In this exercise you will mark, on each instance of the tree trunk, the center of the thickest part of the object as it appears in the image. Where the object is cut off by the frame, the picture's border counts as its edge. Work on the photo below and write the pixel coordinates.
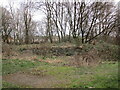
(26, 37)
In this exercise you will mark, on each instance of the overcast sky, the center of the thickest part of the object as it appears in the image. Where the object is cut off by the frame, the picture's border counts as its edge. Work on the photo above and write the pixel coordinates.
(37, 15)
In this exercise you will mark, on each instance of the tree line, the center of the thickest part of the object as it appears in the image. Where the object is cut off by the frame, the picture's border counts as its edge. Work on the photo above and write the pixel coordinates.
(79, 21)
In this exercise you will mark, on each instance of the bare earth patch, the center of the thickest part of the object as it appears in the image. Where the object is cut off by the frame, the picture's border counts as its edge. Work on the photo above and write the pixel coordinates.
(35, 81)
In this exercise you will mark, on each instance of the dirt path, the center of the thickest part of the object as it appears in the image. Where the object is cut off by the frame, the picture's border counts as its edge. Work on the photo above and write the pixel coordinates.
(35, 81)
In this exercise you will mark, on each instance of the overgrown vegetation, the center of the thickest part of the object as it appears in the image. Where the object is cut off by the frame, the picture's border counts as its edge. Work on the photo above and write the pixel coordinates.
(103, 50)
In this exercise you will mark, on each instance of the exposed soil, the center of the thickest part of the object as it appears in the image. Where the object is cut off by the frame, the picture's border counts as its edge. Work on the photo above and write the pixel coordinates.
(35, 81)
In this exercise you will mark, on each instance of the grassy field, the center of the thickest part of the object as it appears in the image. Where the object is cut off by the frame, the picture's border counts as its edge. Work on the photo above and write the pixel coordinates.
(100, 76)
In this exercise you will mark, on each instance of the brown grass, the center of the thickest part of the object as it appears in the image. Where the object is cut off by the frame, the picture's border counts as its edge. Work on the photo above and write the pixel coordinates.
(85, 59)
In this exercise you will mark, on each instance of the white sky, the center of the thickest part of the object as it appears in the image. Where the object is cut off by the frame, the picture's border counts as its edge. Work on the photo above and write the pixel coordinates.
(37, 15)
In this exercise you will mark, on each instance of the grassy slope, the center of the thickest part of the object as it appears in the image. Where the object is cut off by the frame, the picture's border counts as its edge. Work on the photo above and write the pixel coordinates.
(102, 76)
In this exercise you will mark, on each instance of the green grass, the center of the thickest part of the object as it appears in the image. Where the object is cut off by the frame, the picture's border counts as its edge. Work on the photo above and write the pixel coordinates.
(56, 70)
(9, 85)
(12, 66)
(101, 76)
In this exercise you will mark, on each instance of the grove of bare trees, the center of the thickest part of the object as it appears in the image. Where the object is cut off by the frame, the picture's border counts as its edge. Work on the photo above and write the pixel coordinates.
(66, 21)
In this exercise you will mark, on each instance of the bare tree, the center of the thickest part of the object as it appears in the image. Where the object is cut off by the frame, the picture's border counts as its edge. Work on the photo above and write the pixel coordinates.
(6, 30)
(99, 10)
(27, 18)
(85, 20)
(118, 25)
(49, 31)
